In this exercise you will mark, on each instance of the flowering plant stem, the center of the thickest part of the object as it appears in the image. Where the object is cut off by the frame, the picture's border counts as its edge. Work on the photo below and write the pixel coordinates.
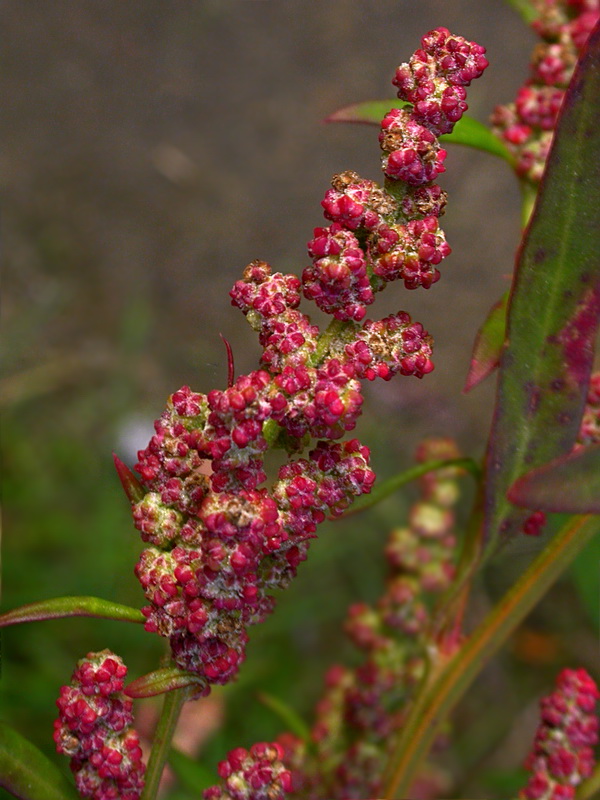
(447, 680)
(172, 705)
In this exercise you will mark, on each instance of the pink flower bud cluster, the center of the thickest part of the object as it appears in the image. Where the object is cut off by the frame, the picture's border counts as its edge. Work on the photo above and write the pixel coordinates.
(359, 711)
(562, 754)
(527, 125)
(257, 774)
(219, 543)
(94, 728)
(379, 235)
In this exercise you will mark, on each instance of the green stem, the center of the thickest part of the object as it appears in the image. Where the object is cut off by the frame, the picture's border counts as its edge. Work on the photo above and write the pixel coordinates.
(450, 679)
(163, 736)
(389, 486)
(333, 331)
(529, 193)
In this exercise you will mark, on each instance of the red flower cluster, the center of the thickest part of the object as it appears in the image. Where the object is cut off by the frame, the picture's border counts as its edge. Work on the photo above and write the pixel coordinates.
(381, 235)
(94, 728)
(258, 774)
(562, 754)
(527, 125)
(219, 543)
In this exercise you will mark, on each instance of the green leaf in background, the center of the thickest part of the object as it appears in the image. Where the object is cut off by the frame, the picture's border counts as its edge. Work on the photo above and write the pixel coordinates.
(163, 680)
(488, 344)
(193, 774)
(467, 131)
(61, 607)
(292, 721)
(553, 308)
(25, 771)
(525, 8)
(569, 484)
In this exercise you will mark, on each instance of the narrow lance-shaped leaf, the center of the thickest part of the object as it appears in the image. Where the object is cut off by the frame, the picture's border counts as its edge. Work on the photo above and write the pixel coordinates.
(554, 306)
(467, 131)
(488, 344)
(569, 484)
(27, 773)
(61, 607)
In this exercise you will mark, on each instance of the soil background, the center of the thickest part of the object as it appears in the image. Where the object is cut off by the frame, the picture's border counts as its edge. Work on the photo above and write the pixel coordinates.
(153, 149)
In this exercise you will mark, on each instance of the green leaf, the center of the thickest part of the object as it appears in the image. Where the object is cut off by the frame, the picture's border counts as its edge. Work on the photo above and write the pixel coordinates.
(163, 680)
(292, 721)
(61, 607)
(195, 775)
(27, 773)
(488, 344)
(467, 131)
(569, 484)
(525, 8)
(553, 309)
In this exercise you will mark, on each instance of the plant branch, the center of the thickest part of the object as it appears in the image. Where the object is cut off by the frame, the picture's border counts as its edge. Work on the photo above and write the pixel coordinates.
(450, 678)
(163, 737)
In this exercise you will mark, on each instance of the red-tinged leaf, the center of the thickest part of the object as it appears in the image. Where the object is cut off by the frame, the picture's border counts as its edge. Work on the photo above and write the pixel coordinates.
(164, 680)
(230, 362)
(569, 484)
(61, 607)
(27, 773)
(131, 486)
(467, 131)
(488, 344)
(554, 307)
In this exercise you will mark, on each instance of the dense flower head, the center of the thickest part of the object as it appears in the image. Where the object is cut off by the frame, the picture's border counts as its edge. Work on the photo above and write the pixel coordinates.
(434, 78)
(412, 153)
(392, 345)
(562, 754)
(411, 253)
(94, 728)
(526, 126)
(255, 774)
(263, 294)
(357, 203)
(337, 281)
(289, 340)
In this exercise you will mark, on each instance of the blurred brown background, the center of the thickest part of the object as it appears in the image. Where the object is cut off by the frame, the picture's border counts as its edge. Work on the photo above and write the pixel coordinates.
(153, 149)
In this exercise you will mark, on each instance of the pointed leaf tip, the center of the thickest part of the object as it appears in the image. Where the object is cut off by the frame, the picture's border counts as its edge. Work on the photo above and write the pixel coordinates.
(488, 345)
(131, 485)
